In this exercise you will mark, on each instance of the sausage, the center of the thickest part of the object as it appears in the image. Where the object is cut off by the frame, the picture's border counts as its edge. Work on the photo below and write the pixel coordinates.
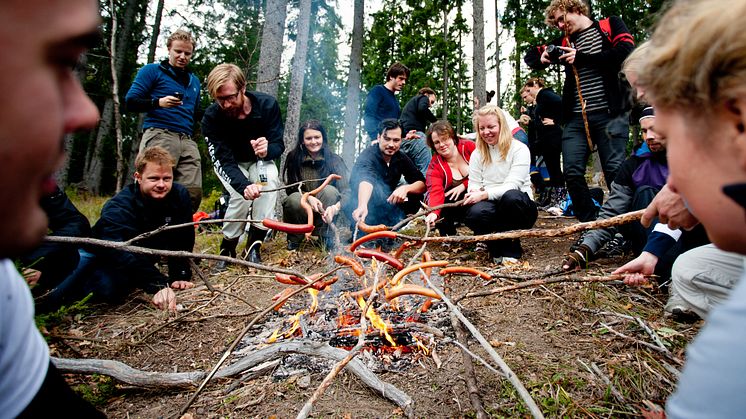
(325, 283)
(404, 246)
(426, 305)
(282, 294)
(381, 257)
(371, 229)
(411, 289)
(465, 270)
(356, 267)
(309, 211)
(287, 227)
(404, 272)
(426, 257)
(365, 292)
(373, 236)
(285, 279)
(329, 179)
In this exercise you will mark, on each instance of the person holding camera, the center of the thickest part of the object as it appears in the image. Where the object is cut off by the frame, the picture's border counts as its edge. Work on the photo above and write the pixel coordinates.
(168, 93)
(594, 99)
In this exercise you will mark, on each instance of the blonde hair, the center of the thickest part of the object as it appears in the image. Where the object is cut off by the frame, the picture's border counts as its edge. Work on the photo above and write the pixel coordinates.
(697, 56)
(222, 74)
(504, 139)
(566, 6)
(636, 58)
(156, 155)
(181, 35)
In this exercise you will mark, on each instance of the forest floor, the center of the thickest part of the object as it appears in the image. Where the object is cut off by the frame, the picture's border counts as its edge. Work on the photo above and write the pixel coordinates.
(546, 334)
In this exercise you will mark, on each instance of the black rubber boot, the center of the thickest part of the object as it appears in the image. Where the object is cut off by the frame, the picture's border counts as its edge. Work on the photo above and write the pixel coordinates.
(227, 248)
(255, 235)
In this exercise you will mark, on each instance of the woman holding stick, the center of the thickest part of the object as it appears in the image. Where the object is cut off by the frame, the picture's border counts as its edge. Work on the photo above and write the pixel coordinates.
(447, 176)
(312, 159)
(499, 184)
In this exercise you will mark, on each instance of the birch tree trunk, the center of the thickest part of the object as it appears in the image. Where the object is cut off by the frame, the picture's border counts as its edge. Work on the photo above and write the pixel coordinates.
(444, 107)
(497, 55)
(297, 75)
(270, 54)
(115, 99)
(478, 71)
(352, 107)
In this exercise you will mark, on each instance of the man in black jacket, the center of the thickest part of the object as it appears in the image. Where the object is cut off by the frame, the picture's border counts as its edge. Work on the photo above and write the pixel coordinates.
(414, 120)
(593, 55)
(244, 135)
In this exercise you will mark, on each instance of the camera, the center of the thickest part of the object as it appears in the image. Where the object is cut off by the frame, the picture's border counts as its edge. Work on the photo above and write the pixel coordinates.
(554, 52)
(179, 95)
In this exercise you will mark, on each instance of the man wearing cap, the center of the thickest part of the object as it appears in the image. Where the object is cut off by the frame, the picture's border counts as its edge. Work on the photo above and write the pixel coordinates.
(638, 181)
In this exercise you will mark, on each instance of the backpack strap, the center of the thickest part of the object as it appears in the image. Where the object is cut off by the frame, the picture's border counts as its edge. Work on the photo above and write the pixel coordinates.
(605, 27)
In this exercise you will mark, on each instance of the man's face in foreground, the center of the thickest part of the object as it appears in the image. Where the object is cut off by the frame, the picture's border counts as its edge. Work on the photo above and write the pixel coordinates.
(389, 142)
(42, 101)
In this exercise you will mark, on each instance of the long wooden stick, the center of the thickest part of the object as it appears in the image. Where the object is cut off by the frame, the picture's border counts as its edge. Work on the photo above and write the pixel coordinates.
(538, 282)
(509, 374)
(534, 232)
(469, 376)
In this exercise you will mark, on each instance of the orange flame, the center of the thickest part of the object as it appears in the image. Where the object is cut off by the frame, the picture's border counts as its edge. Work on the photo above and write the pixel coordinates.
(314, 300)
(376, 321)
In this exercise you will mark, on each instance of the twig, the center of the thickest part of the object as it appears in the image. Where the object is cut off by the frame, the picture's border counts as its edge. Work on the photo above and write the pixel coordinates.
(127, 374)
(425, 211)
(537, 282)
(643, 343)
(477, 357)
(469, 375)
(245, 330)
(201, 275)
(595, 371)
(168, 227)
(510, 375)
(652, 334)
(534, 232)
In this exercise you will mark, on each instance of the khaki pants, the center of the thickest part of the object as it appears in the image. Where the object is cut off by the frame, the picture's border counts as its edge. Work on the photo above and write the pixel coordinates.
(260, 208)
(293, 213)
(184, 151)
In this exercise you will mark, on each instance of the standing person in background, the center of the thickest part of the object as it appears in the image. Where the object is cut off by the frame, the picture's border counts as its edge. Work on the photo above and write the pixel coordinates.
(41, 42)
(499, 184)
(447, 176)
(593, 53)
(311, 158)
(414, 119)
(243, 131)
(381, 102)
(169, 95)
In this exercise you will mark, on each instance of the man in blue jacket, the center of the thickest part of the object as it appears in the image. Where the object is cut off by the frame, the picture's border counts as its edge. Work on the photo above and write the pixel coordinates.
(169, 95)
(381, 102)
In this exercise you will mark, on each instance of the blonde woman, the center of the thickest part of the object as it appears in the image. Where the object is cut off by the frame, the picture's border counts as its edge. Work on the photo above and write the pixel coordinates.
(499, 184)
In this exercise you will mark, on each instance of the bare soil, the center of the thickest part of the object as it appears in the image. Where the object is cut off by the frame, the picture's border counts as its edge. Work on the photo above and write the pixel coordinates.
(543, 333)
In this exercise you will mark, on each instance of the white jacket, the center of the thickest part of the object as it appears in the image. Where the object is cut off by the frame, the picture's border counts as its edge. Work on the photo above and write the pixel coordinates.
(500, 176)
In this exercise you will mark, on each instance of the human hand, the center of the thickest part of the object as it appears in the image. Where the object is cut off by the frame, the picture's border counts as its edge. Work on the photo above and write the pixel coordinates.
(475, 196)
(455, 192)
(169, 102)
(182, 285)
(524, 119)
(643, 264)
(316, 204)
(165, 299)
(430, 219)
(260, 147)
(359, 214)
(545, 57)
(252, 191)
(329, 213)
(670, 209)
(411, 135)
(398, 196)
(31, 276)
(547, 121)
(569, 55)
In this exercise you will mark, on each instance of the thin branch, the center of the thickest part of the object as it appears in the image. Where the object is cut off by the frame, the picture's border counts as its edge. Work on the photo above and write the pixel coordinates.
(469, 375)
(652, 334)
(424, 211)
(538, 282)
(645, 344)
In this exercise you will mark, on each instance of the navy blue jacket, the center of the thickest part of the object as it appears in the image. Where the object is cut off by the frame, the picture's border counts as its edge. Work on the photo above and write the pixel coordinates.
(380, 104)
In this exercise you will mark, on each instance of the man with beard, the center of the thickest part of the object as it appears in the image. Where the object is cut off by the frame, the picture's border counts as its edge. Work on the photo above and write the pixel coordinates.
(244, 132)
(375, 197)
(41, 42)
(169, 94)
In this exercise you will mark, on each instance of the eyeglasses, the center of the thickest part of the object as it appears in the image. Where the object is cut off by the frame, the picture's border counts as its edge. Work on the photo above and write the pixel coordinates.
(227, 98)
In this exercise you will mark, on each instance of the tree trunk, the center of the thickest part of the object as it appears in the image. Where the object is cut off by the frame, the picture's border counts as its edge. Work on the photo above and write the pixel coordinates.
(270, 54)
(498, 96)
(297, 75)
(444, 110)
(480, 77)
(115, 99)
(352, 107)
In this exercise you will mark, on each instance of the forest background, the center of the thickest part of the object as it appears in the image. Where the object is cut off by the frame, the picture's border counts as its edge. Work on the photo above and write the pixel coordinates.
(329, 71)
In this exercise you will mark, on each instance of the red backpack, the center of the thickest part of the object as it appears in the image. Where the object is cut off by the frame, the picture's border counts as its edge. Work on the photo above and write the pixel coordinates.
(605, 27)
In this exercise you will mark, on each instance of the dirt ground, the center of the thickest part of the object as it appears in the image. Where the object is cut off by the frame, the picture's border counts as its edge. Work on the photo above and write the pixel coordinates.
(545, 334)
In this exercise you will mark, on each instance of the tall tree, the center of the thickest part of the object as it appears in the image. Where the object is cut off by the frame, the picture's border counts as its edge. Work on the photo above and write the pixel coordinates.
(478, 68)
(297, 75)
(270, 55)
(352, 106)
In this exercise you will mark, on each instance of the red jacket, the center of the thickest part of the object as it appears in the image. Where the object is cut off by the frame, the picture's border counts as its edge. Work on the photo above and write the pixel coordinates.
(439, 177)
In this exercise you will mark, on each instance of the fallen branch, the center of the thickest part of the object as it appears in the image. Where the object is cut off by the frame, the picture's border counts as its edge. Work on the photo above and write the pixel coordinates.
(538, 282)
(645, 344)
(534, 232)
(127, 374)
(596, 372)
(424, 211)
(469, 375)
(652, 334)
(509, 374)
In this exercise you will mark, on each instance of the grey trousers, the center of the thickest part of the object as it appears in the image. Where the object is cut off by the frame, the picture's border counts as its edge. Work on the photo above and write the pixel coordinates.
(702, 278)
(260, 208)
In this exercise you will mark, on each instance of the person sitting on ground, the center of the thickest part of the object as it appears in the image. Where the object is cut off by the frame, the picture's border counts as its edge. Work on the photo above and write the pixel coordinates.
(639, 179)
(447, 176)
(311, 158)
(499, 184)
(414, 119)
(375, 194)
(152, 201)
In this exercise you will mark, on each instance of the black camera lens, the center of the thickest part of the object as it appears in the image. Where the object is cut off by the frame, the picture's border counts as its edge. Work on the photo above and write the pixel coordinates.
(554, 52)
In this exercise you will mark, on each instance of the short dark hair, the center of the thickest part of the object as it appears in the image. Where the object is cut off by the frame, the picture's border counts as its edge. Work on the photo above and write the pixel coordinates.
(397, 69)
(426, 91)
(442, 127)
(534, 82)
(389, 124)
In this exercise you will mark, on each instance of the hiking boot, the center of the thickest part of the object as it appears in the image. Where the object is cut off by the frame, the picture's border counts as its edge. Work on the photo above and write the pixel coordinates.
(575, 246)
(254, 244)
(293, 245)
(684, 315)
(613, 248)
(227, 248)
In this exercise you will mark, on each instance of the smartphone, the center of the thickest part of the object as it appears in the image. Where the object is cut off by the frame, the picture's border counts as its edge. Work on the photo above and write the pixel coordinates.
(179, 95)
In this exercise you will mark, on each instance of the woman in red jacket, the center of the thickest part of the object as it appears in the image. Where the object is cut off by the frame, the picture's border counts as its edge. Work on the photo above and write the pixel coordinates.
(447, 176)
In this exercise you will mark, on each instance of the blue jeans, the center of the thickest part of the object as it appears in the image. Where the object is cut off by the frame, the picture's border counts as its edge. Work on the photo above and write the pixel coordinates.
(610, 135)
(418, 152)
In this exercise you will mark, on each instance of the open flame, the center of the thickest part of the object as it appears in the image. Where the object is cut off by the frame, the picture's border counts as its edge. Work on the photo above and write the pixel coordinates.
(376, 321)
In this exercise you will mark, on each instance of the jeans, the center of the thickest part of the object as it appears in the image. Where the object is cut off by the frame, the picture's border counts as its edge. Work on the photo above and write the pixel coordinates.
(418, 152)
(610, 135)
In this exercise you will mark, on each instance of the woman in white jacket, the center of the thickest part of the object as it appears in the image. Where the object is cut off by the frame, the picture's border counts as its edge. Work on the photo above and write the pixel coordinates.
(499, 184)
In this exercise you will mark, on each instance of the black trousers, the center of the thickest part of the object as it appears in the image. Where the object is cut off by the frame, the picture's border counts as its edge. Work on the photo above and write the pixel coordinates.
(513, 211)
(56, 399)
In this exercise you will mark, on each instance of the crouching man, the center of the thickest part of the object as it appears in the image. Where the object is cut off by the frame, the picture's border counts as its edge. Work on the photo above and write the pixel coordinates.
(151, 202)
